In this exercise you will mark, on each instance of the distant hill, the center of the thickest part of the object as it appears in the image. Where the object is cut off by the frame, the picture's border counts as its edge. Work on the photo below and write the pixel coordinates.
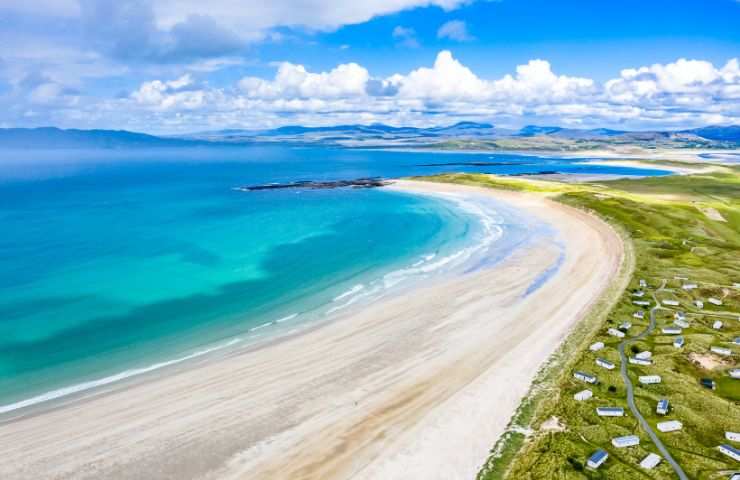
(716, 132)
(477, 135)
(56, 138)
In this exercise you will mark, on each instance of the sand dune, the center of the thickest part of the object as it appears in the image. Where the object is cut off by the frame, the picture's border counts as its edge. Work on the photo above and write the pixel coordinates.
(416, 386)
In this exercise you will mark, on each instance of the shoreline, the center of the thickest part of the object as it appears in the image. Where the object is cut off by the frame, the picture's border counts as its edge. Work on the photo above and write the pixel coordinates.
(364, 396)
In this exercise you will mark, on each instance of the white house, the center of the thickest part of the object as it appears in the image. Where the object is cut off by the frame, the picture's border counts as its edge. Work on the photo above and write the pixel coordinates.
(714, 301)
(649, 379)
(728, 450)
(651, 461)
(689, 286)
(669, 426)
(679, 316)
(643, 283)
(699, 304)
(626, 441)
(671, 330)
(595, 347)
(583, 395)
(735, 373)
(585, 377)
(615, 333)
(717, 325)
(639, 314)
(646, 355)
(610, 411)
(662, 408)
(721, 350)
(625, 325)
(639, 361)
(678, 342)
(602, 362)
(681, 278)
(643, 303)
(597, 459)
(670, 303)
(681, 323)
(638, 294)
(732, 436)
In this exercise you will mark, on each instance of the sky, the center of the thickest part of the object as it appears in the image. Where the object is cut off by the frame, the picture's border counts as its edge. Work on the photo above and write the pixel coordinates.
(175, 66)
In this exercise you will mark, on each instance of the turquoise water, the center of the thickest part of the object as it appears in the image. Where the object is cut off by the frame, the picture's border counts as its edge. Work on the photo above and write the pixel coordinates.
(111, 261)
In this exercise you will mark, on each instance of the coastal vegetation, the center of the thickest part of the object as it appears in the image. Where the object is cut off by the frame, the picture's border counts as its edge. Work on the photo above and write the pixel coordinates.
(680, 230)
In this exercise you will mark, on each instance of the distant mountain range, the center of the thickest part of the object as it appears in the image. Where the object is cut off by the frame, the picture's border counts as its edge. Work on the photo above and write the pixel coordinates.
(379, 135)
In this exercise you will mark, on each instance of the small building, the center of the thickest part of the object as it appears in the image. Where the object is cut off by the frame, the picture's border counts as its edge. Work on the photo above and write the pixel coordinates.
(721, 350)
(699, 304)
(730, 451)
(736, 340)
(663, 406)
(679, 316)
(732, 436)
(646, 355)
(610, 411)
(714, 301)
(643, 283)
(735, 373)
(583, 395)
(639, 361)
(669, 426)
(595, 347)
(642, 303)
(681, 323)
(615, 333)
(638, 294)
(678, 342)
(671, 330)
(717, 325)
(649, 379)
(604, 363)
(677, 277)
(597, 459)
(670, 303)
(735, 476)
(651, 461)
(625, 326)
(585, 377)
(708, 383)
(639, 314)
(626, 441)
(689, 286)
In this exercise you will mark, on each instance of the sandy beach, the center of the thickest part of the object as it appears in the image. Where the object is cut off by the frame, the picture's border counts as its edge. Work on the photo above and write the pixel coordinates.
(414, 386)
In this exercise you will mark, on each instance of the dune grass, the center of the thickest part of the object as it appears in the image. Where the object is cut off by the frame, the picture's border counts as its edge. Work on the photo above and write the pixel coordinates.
(678, 226)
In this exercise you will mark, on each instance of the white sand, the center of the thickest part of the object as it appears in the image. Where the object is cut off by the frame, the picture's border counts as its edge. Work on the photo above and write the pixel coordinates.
(418, 386)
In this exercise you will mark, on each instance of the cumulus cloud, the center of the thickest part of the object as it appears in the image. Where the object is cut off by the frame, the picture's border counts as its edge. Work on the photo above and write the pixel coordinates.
(454, 30)
(680, 94)
(294, 81)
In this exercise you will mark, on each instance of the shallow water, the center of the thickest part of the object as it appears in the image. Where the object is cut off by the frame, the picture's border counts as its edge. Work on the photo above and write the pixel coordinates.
(114, 262)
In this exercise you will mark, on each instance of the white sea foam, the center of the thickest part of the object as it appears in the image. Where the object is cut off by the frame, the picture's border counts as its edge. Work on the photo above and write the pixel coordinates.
(351, 291)
(286, 319)
(260, 327)
(81, 387)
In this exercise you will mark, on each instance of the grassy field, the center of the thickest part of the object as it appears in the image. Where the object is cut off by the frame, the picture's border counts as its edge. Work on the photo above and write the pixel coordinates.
(678, 226)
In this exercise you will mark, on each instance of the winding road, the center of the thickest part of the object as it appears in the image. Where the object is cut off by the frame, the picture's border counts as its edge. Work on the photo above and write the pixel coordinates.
(631, 393)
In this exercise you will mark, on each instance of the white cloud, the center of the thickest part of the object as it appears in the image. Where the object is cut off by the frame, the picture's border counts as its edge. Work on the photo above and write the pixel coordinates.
(294, 81)
(406, 36)
(454, 30)
(681, 94)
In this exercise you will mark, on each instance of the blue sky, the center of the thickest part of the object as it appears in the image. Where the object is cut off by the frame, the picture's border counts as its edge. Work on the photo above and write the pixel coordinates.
(169, 66)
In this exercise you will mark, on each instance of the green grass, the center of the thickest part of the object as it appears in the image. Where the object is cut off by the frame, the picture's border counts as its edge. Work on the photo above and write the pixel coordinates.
(663, 219)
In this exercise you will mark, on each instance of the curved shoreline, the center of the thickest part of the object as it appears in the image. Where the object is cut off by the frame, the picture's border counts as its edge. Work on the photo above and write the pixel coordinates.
(370, 396)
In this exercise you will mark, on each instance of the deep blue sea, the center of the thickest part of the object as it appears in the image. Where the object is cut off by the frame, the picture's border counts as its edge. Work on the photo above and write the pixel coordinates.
(115, 262)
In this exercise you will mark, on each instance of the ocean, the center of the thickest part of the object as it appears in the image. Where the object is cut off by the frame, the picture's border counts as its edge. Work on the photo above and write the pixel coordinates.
(114, 263)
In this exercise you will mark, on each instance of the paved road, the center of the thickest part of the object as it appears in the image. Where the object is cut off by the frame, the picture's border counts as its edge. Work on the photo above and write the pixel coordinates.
(631, 393)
